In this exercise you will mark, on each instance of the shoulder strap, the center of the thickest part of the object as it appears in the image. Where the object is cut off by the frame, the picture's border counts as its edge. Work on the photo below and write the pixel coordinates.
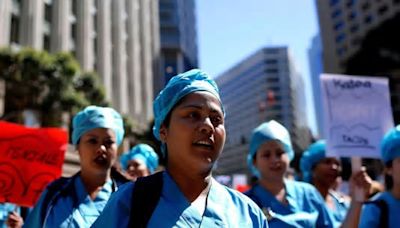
(383, 207)
(145, 197)
(52, 189)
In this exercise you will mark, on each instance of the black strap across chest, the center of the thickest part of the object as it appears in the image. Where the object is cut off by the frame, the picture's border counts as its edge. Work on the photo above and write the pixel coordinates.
(145, 197)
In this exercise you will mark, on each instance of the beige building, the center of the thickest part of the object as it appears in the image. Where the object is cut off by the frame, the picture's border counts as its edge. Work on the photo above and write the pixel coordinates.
(119, 39)
(343, 25)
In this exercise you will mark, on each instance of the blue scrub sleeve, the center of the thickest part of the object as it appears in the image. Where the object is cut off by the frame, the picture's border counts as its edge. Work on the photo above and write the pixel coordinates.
(324, 220)
(370, 215)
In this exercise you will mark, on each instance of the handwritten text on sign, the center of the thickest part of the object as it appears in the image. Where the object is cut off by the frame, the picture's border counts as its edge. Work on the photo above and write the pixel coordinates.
(357, 114)
(30, 158)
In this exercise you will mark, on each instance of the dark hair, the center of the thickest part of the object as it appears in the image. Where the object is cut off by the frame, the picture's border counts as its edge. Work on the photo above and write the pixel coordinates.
(388, 178)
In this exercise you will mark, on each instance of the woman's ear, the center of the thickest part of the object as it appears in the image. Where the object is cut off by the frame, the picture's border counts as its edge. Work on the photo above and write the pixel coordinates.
(163, 133)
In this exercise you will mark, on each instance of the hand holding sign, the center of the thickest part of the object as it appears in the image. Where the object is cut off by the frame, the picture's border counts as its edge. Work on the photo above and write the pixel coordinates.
(29, 159)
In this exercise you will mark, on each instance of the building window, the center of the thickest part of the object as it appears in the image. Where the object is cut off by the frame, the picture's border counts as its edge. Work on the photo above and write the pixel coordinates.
(46, 42)
(336, 13)
(75, 7)
(368, 19)
(271, 61)
(338, 26)
(352, 15)
(341, 51)
(334, 2)
(14, 29)
(47, 12)
(350, 3)
(272, 80)
(365, 6)
(382, 10)
(339, 38)
(272, 70)
(354, 28)
(74, 31)
(271, 51)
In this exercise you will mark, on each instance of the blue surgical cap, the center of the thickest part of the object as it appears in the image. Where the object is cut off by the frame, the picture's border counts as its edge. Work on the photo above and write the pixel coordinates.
(314, 154)
(268, 131)
(178, 87)
(390, 146)
(142, 152)
(97, 117)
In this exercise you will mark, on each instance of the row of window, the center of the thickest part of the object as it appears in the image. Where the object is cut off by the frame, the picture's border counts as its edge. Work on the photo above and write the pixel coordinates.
(337, 12)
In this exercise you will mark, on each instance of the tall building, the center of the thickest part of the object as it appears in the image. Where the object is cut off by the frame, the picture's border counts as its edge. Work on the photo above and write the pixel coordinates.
(316, 68)
(119, 39)
(258, 89)
(360, 38)
(178, 39)
(343, 25)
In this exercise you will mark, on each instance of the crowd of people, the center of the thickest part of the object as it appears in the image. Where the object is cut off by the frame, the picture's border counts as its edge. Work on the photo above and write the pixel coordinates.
(189, 123)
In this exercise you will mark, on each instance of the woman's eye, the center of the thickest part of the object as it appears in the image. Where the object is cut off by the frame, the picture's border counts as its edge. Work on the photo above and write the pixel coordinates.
(109, 142)
(92, 141)
(217, 120)
(265, 155)
(193, 115)
(280, 153)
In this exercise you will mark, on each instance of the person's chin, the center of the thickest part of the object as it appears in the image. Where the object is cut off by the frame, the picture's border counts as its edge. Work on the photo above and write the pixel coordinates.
(205, 167)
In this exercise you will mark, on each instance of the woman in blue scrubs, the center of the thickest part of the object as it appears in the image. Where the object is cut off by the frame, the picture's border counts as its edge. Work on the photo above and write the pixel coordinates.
(384, 208)
(189, 121)
(140, 161)
(77, 201)
(323, 172)
(287, 203)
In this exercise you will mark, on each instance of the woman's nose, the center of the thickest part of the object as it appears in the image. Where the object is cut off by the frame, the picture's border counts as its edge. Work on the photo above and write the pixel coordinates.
(276, 158)
(206, 126)
(102, 148)
(334, 165)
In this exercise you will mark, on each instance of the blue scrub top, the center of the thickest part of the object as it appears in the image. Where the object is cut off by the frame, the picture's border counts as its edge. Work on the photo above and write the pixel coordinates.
(68, 211)
(5, 209)
(305, 208)
(341, 207)
(370, 214)
(224, 208)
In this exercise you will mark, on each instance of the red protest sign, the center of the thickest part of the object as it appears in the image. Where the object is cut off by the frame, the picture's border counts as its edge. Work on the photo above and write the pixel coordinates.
(30, 158)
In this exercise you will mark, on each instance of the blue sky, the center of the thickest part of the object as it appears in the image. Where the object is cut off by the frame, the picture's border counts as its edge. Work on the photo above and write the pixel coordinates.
(231, 30)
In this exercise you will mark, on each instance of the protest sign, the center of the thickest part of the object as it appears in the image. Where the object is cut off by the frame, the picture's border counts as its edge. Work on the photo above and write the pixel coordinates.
(357, 113)
(30, 158)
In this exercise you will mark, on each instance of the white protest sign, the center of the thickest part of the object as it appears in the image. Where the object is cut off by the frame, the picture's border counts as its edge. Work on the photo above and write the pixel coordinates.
(357, 113)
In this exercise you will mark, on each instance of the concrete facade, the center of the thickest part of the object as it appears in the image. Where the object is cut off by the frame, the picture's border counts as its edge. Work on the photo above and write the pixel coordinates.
(344, 23)
(119, 39)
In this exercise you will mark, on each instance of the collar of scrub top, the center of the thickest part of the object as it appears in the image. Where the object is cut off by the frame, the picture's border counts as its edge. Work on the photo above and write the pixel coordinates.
(68, 189)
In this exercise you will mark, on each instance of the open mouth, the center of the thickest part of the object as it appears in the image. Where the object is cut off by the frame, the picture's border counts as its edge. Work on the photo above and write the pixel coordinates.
(101, 159)
(276, 168)
(204, 144)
